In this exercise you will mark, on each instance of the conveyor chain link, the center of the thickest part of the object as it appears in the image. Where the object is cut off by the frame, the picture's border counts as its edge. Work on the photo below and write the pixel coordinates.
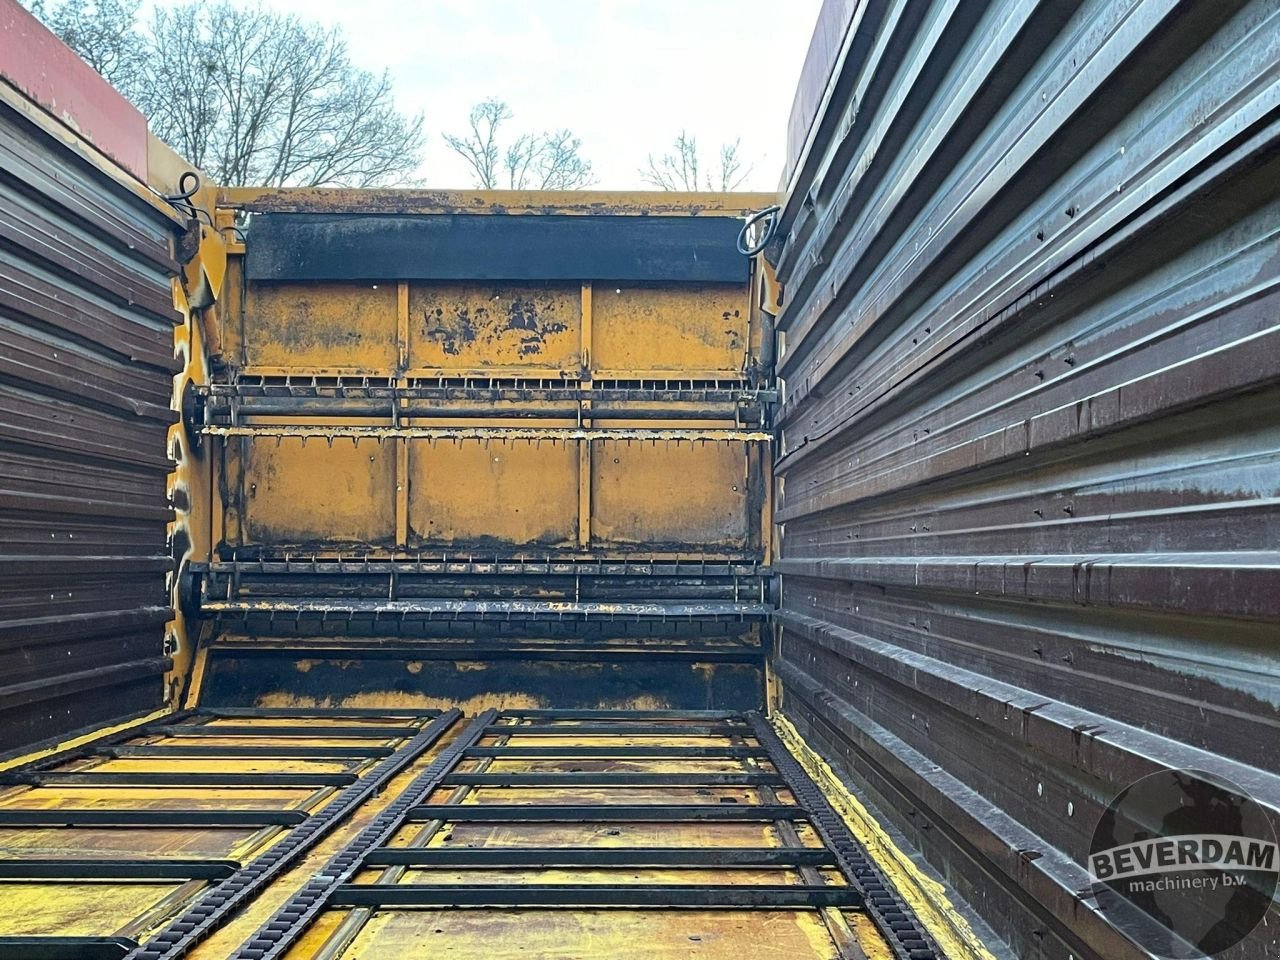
(291, 920)
(220, 903)
(896, 921)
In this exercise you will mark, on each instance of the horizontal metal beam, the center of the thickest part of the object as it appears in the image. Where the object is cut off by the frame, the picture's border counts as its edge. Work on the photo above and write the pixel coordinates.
(490, 203)
(425, 608)
(650, 753)
(241, 750)
(167, 779)
(597, 779)
(315, 713)
(277, 561)
(438, 387)
(613, 813)
(65, 948)
(149, 817)
(252, 730)
(505, 434)
(98, 869)
(221, 410)
(563, 714)
(594, 895)
(435, 648)
(600, 857)
(623, 729)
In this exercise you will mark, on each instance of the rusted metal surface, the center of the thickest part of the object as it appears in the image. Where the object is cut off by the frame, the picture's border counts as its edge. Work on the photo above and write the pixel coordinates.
(560, 833)
(1027, 484)
(86, 365)
(161, 834)
(549, 439)
(514, 202)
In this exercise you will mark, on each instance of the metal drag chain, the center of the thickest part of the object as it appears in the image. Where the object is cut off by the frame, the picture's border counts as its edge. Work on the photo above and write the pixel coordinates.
(217, 905)
(896, 921)
(295, 916)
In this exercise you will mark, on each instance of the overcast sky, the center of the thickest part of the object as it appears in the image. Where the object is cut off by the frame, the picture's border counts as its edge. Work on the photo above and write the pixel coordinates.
(625, 75)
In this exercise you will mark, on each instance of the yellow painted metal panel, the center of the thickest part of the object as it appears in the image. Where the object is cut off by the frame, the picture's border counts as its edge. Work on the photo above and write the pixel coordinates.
(220, 765)
(297, 492)
(674, 877)
(330, 326)
(282, 740)
(156, 798)
(69, 909)
(700, 329)
(591, 934)
(470, 327)
(554, 765)
(670, 492)
(132, 908)
(118, 842)
(618, 834)
(472, 492)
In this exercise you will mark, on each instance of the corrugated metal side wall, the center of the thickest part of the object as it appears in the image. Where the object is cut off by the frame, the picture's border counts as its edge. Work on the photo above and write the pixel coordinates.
(1028, 482)
(86, 366)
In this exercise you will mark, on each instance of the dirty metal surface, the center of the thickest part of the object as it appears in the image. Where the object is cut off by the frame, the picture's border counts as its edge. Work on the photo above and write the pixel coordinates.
(337, 247)
(609, 330)
(1027, 495)
(591, 443)
(360, 665)
(593, 834)
(86, 367)
(643, 203)
(161, 835)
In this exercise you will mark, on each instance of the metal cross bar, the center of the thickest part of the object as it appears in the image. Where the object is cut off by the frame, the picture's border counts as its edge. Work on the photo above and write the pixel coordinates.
(315, 713)
(652, 753)
(282, 750)
(593, 778)
(62, 948)
(622, 729)
(51, 869)
(612, 813)
(744, 896)
(253, 730)
(501, 858)
(113, 778)
(149, 817)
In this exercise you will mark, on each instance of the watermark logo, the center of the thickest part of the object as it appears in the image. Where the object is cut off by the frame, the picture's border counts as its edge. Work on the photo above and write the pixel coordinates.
(1185, 863)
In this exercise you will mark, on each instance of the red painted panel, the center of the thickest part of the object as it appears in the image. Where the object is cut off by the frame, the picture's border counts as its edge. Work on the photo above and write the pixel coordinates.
(48, 71)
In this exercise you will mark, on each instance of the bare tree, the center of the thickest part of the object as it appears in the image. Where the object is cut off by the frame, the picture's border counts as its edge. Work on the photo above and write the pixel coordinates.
(253, 97)
(547, 161)
(480, 147)
(682, 168)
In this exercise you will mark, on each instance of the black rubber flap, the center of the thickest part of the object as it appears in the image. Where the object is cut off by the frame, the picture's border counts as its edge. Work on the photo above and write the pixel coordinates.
(301, 246)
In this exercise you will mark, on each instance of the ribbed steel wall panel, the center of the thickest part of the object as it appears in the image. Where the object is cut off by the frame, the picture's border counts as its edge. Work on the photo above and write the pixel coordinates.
(1028, 479)
(86, 367)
